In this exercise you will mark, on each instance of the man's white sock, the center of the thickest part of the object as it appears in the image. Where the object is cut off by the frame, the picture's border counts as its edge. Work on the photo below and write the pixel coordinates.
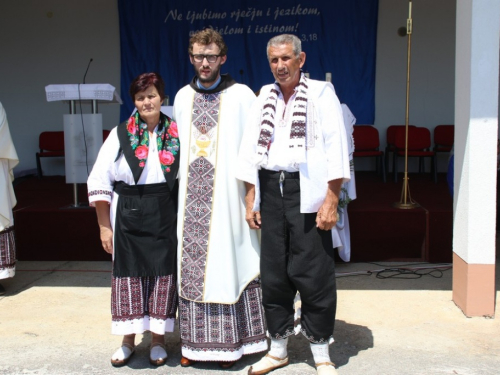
(320, 353)
(278, 348)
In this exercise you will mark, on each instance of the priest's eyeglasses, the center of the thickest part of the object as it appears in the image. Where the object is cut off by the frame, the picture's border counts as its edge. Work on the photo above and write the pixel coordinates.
(210, 58)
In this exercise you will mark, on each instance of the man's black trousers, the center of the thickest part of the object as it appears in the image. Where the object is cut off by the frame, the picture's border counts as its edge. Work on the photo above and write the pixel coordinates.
(295, 256)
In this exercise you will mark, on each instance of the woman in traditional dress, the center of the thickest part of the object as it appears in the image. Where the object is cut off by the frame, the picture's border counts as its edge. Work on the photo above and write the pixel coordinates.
(132, 186)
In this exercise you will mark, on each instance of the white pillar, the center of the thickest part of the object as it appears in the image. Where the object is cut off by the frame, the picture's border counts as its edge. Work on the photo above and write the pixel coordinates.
(476, 134)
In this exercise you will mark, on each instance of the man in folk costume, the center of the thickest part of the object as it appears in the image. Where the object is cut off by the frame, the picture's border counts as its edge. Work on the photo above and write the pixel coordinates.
(294, 159)
(8, 160)
(220, 303)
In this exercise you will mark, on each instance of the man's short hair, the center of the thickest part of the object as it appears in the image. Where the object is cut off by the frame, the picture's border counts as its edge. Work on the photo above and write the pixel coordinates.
(206, 37)
(285, 39)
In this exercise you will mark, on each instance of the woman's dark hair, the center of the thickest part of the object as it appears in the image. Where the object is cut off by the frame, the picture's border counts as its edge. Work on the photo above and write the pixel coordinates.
(143, 81)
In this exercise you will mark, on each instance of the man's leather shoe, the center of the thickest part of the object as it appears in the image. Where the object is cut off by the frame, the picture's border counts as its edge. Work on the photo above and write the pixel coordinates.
(186, 362)
(226, 365)
(326, 368)
(122, 355)
(267, 364)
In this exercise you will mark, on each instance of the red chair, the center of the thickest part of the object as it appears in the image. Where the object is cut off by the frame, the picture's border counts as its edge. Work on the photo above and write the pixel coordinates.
(444, 137)
(105, 134)
(390, 147)
(419, 145)
(51, 145)
(367, 143)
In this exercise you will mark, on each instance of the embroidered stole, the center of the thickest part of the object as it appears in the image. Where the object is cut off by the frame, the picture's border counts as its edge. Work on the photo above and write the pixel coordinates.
(297, 139)
(199, 196)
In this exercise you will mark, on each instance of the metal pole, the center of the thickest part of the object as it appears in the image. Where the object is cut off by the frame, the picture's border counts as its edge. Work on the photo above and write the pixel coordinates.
(72, 107)
(72, 111)
(406, 201)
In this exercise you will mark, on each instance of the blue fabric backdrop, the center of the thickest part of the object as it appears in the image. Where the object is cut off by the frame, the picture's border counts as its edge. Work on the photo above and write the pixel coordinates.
(338, 36)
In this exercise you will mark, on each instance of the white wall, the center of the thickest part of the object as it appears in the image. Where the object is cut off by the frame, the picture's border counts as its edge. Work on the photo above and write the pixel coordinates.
(37, 50)
(477, 131)
(49, 42)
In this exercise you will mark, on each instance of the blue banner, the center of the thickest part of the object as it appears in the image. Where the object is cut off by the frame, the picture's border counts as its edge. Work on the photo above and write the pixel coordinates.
(338, 37)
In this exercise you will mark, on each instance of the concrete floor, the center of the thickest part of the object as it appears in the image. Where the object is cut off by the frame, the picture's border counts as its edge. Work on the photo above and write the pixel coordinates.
(55, 319)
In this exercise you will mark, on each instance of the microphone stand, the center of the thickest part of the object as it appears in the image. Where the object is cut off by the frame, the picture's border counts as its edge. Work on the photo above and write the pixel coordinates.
(406, 202)
(88, 66)
(73, 111)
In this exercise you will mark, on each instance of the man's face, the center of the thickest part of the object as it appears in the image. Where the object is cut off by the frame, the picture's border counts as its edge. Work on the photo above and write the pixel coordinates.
(285, 66)
(207, 72)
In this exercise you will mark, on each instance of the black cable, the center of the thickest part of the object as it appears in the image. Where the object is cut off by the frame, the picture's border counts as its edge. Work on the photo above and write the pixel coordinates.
(407, 264)
(350, 274)
(403, 271)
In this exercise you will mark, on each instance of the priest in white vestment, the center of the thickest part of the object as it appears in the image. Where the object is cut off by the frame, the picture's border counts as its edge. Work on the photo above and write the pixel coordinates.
(218, 255)
(8, 160)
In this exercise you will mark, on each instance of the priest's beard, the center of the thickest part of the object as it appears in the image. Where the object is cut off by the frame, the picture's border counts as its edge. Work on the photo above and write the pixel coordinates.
(211, 78)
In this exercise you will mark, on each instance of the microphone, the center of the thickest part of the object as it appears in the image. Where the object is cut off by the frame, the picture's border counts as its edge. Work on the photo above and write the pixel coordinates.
(88, 66)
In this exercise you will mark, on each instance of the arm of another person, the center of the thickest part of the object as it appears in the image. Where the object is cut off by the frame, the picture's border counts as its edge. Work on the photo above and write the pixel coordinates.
(105, 229)
(247, 98)
(252, 217)
(326, 218)
(336, 151)
(100, 187)
(246, 169)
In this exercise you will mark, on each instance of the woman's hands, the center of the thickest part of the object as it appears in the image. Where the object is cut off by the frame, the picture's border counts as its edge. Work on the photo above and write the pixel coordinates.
(107, 238)
(103, 218)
